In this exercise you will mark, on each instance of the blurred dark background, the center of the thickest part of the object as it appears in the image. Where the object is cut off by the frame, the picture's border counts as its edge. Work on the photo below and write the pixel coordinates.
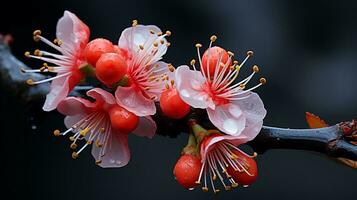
(306, 49)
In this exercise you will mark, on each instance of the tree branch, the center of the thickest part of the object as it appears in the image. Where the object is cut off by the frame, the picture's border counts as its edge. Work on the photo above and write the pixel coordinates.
(338, 141)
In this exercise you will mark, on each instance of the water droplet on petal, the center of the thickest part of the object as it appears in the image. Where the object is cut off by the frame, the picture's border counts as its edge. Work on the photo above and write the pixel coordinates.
(230, 126)
(185, 93)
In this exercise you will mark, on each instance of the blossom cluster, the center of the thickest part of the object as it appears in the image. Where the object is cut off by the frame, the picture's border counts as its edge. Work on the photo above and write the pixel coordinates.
(128, 80)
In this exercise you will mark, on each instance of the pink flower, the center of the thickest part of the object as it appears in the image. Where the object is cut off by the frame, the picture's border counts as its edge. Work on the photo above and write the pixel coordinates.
(145, 46)
(91, 121)
(72, 37)
(221, 158)
(230, 108)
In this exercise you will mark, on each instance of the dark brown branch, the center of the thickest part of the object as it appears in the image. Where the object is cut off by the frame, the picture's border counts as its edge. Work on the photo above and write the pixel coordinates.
(335, 141)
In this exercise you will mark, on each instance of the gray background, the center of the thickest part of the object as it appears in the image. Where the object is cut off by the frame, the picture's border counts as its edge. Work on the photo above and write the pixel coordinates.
(307, 50)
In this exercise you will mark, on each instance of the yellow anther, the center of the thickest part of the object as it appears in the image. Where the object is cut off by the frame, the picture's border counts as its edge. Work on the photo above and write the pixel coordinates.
(134, 23)
(250, 53)
(155, 44)
(97, 162)
(168, 33)
(30, 82)
(37, 52)
(74, 155)
(71, 138)
(227, 187)
(213, 38)
(172, 82)
(216, 191)
(198, 45)
(56, 133)
(37, 32)
(73, 146)
(28, 54)
(205, 189)
(214, 177)
(89, 142)
(102, 130)
(230, 53)
(242, 86)
(235, 62)
(255, 69)
(36, 38)
(233, 156)
(193, 62)
(255, 154)
(168, 44)
(234, 185)
(141, 47)
(167, 86)
(84, 132)
(159, 33)
(263, 81)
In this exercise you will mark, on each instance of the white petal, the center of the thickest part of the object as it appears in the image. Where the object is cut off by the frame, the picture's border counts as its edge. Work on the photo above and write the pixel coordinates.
(146, 127)
(228, 118)
(73, 33)
(59, 91)
(117, 153)
(188, 84)
(132, 37)
(134, 101)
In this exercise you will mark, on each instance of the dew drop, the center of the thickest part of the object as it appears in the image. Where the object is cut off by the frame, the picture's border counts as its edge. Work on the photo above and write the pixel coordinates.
(230, 126)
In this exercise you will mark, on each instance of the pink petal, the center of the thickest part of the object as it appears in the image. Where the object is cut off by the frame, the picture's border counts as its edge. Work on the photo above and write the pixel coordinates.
(188, 84)
(74, 106)
(59, 91)
(235, 140)
(69, 121)
(73, 33)
(254, 113)
(133, 100)
(228, 118)
(117, 153)
(146, 127)
(132, 37)
(101, 95)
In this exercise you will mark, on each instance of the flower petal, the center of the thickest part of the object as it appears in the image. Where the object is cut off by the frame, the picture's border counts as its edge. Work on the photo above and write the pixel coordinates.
(132, 37)
(102, 96)
(59, 91)
(69, 121)
(228, 118)
(146, 127)
(235, 140)
(254, 113)
(133, 100)
(188, 84)
(157, 87)
(117, 152)
(73, 33)
(74, 106)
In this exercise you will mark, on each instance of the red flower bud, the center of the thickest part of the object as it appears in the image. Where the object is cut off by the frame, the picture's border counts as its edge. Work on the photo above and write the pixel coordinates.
(187, 170)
